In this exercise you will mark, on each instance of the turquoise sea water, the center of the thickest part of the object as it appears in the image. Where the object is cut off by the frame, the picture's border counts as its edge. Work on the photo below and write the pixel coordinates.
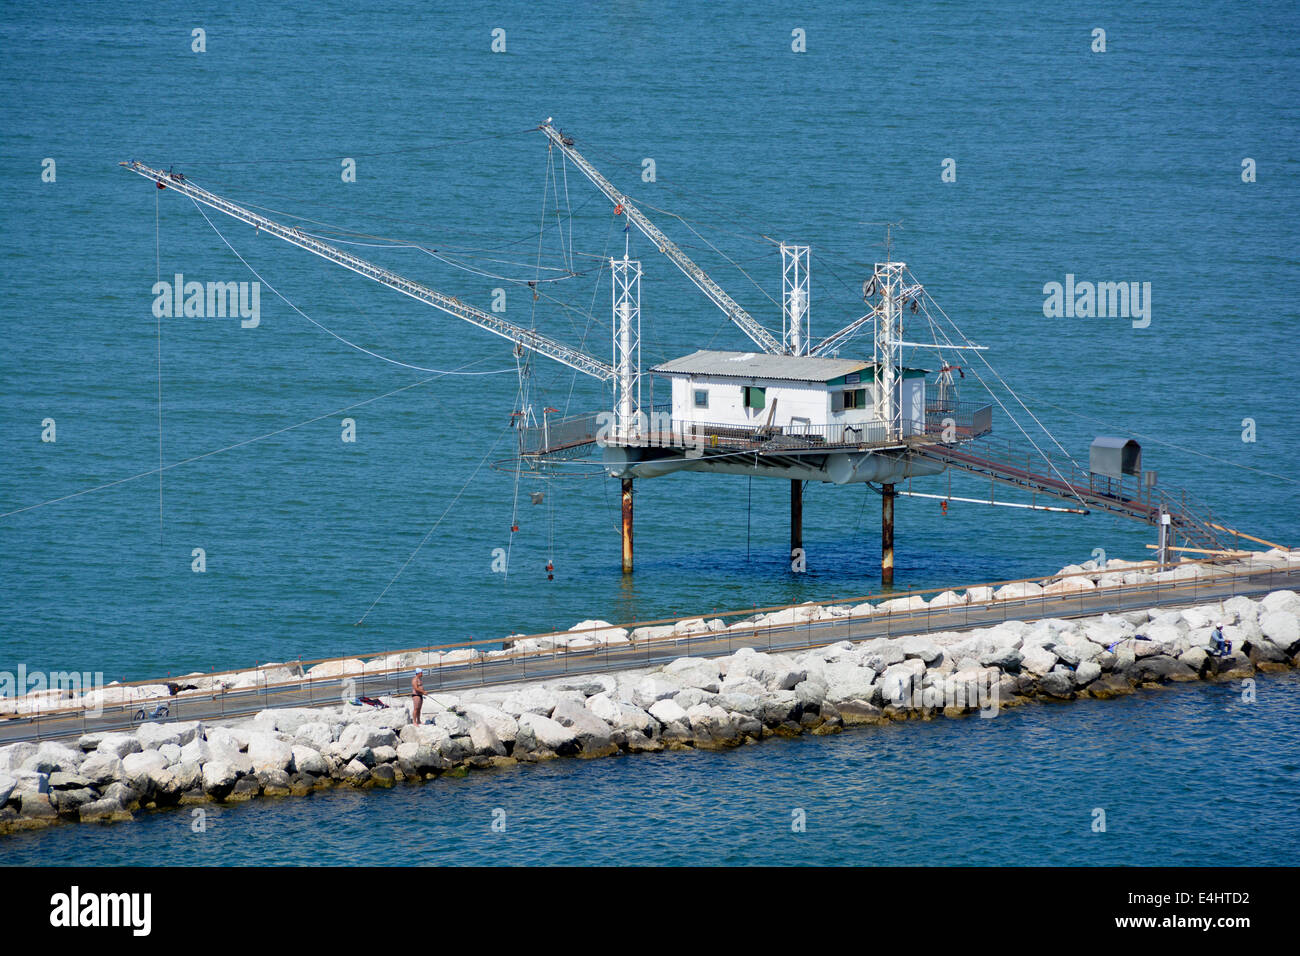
(1185, 776)
(1116, 166)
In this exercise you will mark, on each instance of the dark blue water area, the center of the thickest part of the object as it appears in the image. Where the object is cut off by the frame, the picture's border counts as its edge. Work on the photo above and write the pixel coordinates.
(1190, 775)
(1116, 166)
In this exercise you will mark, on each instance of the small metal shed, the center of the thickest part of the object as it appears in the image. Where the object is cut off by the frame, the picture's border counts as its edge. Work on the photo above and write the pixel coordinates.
(1115, 457)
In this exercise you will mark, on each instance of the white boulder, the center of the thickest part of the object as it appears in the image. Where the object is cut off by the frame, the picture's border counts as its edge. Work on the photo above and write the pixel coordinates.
(654, 688)
(1019, 591)
(269, 752)
(667, 712)
(600, 632)
(695, 672)
(329, 669)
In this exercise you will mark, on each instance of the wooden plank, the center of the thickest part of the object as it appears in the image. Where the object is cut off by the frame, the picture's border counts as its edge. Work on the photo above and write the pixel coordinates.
(1248, 537)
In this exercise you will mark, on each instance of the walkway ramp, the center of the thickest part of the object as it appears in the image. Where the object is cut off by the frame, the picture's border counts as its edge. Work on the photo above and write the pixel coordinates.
(1059, 477)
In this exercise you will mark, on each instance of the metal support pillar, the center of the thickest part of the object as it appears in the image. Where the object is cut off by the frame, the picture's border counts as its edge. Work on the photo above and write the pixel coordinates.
(796, 522)
(886, 534)
(627, 525)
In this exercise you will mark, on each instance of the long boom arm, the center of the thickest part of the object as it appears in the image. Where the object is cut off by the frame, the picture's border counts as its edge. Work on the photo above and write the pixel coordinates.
(748, 324)
(528, 338)
(843, 335)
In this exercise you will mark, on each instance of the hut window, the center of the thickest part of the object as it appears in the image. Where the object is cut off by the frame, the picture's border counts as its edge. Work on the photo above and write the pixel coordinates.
(701, 398)
(851, 398)
(755, 396)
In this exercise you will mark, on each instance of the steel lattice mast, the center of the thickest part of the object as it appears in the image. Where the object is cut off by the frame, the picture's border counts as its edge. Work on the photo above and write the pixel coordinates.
(529, 339)
(795, 297)
(625, 276)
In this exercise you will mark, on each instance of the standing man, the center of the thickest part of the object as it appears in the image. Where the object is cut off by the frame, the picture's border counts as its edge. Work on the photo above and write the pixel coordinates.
(417, 695)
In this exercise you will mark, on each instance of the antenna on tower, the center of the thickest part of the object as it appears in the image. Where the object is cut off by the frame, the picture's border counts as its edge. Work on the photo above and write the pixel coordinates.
(889, 227)
(889, 239)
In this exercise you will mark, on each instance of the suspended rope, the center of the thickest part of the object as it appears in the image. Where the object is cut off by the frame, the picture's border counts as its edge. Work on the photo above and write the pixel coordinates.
(733, 262)
(375, 330)
(591, 310)
(1169, 444)
(1010, 390)
(351, 345)
(430, 532)
(564, 168)
(550, 533)
(336, 231)
(541, 236)
(514, 521)
(157, 268)
(521, 397)
(1046, 458)
(569, 274)
(438, 254)
(764, 229)
(238, 444)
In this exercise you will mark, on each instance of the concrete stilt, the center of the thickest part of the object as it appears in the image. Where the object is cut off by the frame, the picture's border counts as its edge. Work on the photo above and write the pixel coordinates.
(796, 524)
(627, 525)
(886, 534)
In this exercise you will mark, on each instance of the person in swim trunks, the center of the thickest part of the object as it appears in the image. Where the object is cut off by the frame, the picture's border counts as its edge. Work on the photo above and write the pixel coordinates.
(417, 695)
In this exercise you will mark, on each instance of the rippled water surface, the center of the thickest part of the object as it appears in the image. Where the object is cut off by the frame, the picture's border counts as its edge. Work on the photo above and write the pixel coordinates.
(1188, 775)
(1122, 166)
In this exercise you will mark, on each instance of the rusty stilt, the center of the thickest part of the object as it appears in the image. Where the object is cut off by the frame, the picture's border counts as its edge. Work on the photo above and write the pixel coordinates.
(886, 534)
(627, 525)
(796, 525)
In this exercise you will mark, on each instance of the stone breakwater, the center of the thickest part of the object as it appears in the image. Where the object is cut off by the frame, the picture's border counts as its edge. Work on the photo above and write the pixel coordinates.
(1073, 580)
(690, 702)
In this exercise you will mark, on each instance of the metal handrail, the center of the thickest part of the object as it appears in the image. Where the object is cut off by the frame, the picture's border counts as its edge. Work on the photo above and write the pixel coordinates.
(789, 436)
(672, 645)
(263, 687)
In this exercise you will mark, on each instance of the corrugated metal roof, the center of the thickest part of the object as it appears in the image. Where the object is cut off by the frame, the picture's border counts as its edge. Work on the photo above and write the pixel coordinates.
(790, 368)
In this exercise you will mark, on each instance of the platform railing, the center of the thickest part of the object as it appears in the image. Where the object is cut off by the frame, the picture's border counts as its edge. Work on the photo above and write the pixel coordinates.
(958, 421)
(791, 436)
